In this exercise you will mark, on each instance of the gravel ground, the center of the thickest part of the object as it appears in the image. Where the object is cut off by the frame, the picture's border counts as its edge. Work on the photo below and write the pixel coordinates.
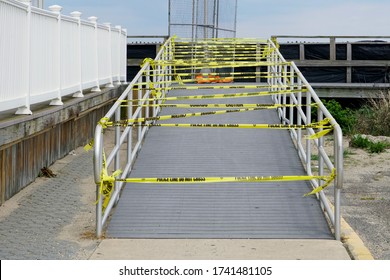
(366, 198)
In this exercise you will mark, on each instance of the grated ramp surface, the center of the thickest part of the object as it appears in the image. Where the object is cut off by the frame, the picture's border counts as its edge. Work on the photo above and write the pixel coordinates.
(218, 210)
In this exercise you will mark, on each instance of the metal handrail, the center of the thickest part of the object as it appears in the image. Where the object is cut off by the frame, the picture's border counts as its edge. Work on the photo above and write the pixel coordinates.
(159, 77)
(288, 75)
(297, 80)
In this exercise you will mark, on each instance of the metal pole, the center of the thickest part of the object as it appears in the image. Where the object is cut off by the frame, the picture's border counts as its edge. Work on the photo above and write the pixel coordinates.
(214, 18)
(205, 20)
(193, 20)
(169, 18)
(235, 21)
(196, 18)
(217, 21)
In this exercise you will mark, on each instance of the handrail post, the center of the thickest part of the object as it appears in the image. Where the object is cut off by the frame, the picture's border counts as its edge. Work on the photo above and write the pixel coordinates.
(339, 159)
(98, 166)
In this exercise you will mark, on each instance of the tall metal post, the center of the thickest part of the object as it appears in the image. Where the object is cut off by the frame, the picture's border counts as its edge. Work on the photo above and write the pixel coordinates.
(193, 35)
(205, 20)
(169, 18)
(235, 21)
(216, 23)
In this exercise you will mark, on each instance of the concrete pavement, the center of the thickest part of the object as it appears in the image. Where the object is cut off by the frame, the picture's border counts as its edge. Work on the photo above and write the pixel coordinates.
(219, 249)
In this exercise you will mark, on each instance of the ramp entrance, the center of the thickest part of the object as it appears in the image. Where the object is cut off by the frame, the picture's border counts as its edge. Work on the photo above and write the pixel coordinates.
(255, 174)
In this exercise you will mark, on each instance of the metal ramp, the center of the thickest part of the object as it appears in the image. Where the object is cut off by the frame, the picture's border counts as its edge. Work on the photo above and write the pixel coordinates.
(218, 210)
(136, 204)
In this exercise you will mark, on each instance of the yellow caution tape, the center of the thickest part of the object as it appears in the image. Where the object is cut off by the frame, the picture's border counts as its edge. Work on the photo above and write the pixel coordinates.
(184, 65)
(106, 183)
(249, 179)
(89, 146)
(228, 87)
(194, 180)
(129, 122)
(214, 79)
(247, 126)
(318, 134)
(151, 61)
(323, 124)
(233, 105)
(105, 122)
(231, 54)
(208, 59)
(219, 96)
(229, 74)
(326, 184)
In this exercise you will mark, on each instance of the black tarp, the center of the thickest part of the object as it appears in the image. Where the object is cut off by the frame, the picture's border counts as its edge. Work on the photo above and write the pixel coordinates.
(290, 51)
(132, 71)
(341, 52)
(317, 52)
(141, 51)
(324, 74)
(360, 51)
(374, 51)
(370, 75)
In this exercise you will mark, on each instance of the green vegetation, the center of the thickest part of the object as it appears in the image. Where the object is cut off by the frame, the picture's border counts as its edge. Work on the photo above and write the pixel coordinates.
(345, 117)
(373, 118)
(347, 153)
(358, 141)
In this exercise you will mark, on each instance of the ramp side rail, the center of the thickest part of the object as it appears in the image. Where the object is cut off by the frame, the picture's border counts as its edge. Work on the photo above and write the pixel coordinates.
(312, 152)
(150, 77)
(281, 75)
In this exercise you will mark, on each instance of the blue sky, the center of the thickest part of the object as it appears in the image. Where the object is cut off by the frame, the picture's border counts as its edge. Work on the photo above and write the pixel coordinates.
(255, 18)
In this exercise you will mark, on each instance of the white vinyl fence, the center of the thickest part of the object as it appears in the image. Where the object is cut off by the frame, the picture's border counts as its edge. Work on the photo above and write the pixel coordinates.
(45, 55)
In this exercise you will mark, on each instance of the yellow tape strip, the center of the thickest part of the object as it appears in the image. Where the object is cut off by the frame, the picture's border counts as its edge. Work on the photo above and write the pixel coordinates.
(277, 87)
(248, 126)
(318, 134)
(219, 96)
(229, 74)
(233, 105)
(220, 57)
(89, 146)
(326, 184)
(189, 115)
(323, 124)
(194, 180)
(250, 179)
(106, 183)
(219, 64)
(151, 61)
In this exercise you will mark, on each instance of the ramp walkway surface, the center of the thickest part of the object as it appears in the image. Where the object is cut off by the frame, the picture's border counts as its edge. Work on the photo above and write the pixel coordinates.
(218, 210)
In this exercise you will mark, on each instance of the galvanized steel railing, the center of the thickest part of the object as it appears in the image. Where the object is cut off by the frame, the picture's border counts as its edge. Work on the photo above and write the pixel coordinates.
(286, 75)
(281, 75)
(148, 79)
